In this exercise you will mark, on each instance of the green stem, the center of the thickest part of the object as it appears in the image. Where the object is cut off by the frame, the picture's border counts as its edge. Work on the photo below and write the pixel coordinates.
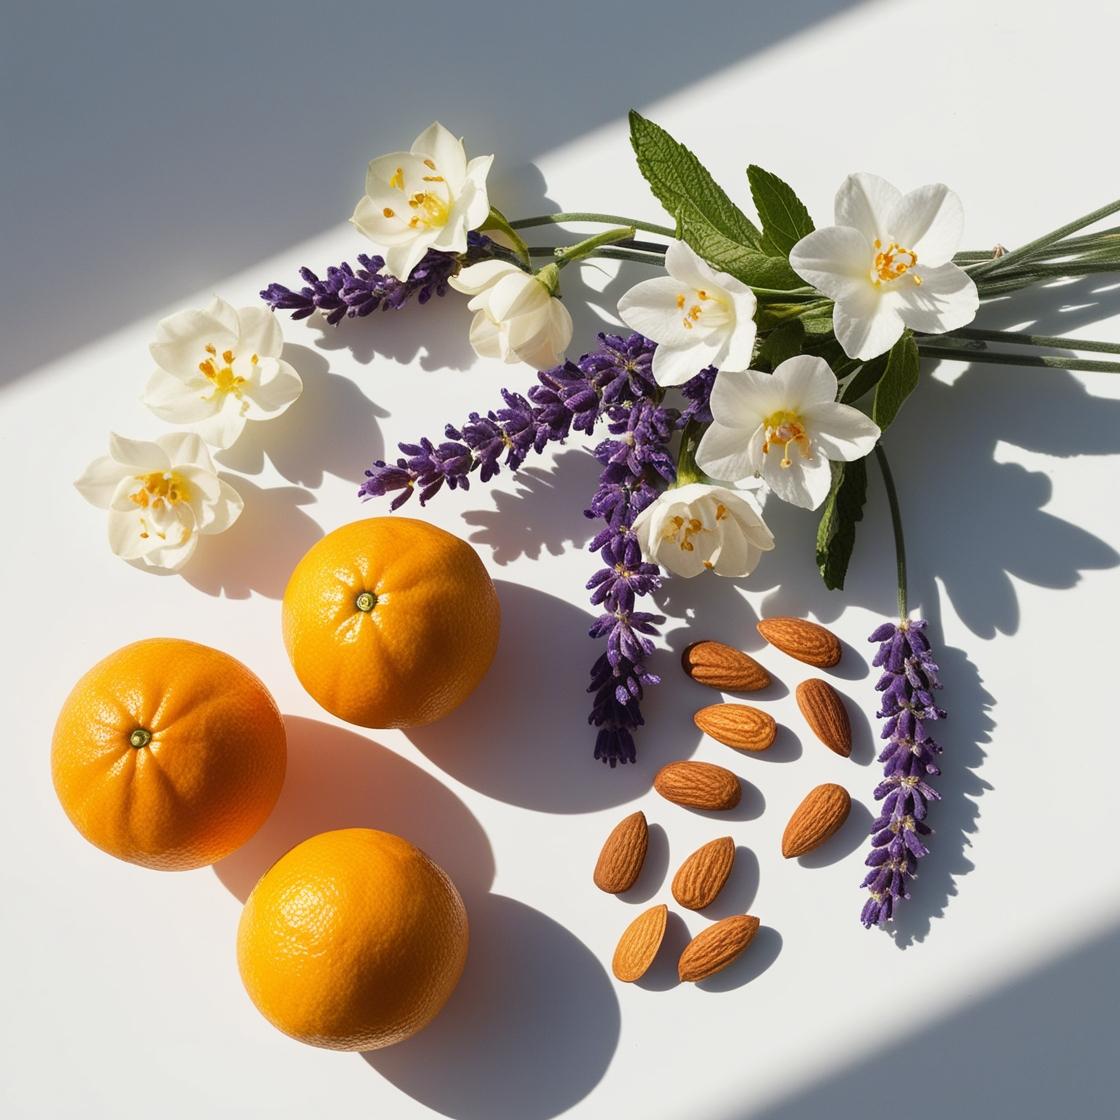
(614, 253)
(687, 470)
(994, 357)
(896, 526)
(571, 253)
(1018, 338)
(599, 219)
(1025, 252)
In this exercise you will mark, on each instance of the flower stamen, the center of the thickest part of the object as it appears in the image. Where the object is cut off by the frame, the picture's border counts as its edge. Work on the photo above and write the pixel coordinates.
(784, 428)
(892, 263)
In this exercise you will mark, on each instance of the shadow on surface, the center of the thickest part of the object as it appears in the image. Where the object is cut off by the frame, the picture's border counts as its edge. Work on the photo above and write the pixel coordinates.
(259, 552)
(331, 429)
(1042, 1045)
(529, 1031)
(219, 183)
(338, 778)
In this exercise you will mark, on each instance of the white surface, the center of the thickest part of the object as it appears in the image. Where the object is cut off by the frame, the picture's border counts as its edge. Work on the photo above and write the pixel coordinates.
(996, 994)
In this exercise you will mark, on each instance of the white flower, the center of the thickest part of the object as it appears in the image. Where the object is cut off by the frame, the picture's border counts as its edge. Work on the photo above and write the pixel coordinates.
(518, 319)
(784, 427)
(428, 198)
(218, 368)
(698, 317)
(160, 496)
(887, 263)
(698, 527)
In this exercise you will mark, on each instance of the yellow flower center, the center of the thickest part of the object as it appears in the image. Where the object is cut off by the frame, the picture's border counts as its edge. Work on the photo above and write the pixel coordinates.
(428, 208)
(782, 429)
(158, 492)
(681, 530)
(219, 372)
(698, 305)
(892, 263)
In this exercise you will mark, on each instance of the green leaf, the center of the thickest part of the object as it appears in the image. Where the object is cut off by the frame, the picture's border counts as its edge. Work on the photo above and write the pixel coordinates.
(503, 233)
(900, 378)
(836, 534)
(785, 221)
(782, 342)
(706, 218)
(867, 376)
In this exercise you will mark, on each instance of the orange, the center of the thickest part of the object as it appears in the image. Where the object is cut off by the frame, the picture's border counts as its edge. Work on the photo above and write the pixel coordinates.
(390, 622)
(353, 940)
(168, 754)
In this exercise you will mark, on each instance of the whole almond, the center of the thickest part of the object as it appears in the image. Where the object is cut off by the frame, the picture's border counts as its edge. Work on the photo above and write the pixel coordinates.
(823, 811)
(825, 713)
(698, 785)
(716, 947)
(723, 667)
(624, 852)
(737, 725)
(639, 943)
(806, 641)
(701, 877)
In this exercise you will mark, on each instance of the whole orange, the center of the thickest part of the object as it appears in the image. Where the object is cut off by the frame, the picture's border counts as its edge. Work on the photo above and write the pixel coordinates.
(390, 622)
(168, 754)
(353, 940)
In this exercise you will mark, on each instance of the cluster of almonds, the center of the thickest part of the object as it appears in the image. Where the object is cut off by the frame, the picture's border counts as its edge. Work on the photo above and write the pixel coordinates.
(702, 785)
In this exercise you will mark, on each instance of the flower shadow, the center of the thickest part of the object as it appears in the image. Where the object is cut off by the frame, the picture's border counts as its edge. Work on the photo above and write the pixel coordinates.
(261, 548)
(543, 515)
(331, 429)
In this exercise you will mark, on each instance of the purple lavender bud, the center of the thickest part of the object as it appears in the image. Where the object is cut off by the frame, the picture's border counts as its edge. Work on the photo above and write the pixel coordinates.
(906, 698)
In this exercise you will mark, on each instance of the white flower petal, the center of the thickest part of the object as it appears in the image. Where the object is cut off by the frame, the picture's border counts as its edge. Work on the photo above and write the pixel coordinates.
(273, 387)
(137, 454)
(804, 483)
(259, 333)
(486, 336)
(746, 398)
(222, 512)
(181, 338)
(836, 260)
(840, 431)
(725, 453)
(866, 323)
(223, 428)
(478, 277)
(740, 346)
(674, 365)
(400, 260)
(99, 481)
(651, 308)
(186, 449)
(128, 538)
(864, 202)
(516, 294)
(477, 208)
(172, 558)
(446, 151)
(928, 221)
(383, 168)
(179, 400)
(945, 300)
(805, 380)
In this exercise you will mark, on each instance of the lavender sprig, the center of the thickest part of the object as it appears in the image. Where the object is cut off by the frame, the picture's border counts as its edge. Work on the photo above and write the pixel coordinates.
(348, 292)
(907, 683)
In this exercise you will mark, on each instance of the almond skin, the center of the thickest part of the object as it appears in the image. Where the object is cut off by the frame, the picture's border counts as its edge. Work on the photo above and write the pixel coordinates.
(624, 852)
(825, 713)
(698, 785)
(639, 943)
(716, 947)
(720, 666)
(701, 877)
(823, 811)
(804, 640)
(737, 725)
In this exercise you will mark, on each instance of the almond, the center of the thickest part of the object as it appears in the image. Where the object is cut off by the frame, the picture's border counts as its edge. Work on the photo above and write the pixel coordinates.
(806, 641)
(716, 947)
(823, 811)
(701, 877)
(825, 713)
(720, 666)
(699, 785)
(623, 854)
(639, 943)
(737, 725)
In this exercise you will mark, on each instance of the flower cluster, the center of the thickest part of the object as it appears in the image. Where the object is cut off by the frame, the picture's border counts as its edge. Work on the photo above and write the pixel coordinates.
(348, 292)
(909, 678)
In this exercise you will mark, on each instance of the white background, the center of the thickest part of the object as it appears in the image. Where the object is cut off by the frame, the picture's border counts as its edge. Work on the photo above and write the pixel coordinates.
(153, 158)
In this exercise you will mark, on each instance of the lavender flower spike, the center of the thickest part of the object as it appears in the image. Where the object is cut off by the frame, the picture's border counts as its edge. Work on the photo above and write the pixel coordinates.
(907, 683)
(347, 292)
